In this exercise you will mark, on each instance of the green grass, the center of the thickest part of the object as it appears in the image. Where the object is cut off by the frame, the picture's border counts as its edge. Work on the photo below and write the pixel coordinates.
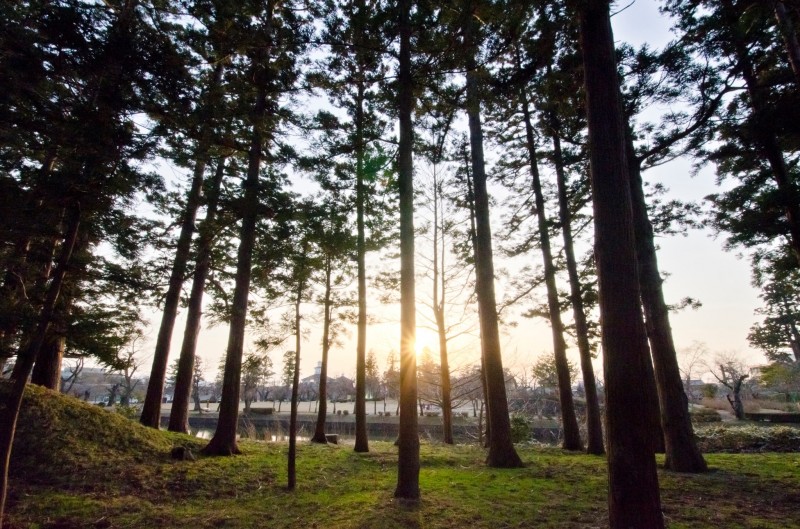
(79, 466)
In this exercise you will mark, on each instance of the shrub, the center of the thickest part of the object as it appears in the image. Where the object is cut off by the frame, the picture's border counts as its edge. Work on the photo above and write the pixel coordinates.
(129, 412)
(703, 415)
(709, 390)
(748, 438)
(520, 429)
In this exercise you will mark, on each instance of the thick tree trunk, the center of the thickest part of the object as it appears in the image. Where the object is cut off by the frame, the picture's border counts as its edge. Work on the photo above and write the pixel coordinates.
(501, 448)
(362, 443)
(682, 454)
(789, 38)
(10, 415)
(473, 233)
(569, 422)
(408, 432)
(47, 371)
(184, 379)
(292, 469)
(322, 412)
(224, 440)
(594, 430)
(634, 500)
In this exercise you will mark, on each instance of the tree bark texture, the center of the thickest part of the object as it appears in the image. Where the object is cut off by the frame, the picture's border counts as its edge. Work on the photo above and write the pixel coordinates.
(682, 454)
(184, 379)
(594, 429)
(634, 500)
(569, 422)
(501, 449)
(408, 434)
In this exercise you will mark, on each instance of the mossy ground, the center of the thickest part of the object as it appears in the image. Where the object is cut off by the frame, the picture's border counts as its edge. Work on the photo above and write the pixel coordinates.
(76, 466)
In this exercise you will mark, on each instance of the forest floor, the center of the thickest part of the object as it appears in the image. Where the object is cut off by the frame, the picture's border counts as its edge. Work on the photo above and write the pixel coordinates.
(78, 466)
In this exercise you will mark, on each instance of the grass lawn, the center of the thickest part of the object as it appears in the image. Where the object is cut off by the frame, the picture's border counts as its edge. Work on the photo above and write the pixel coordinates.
(76, 466)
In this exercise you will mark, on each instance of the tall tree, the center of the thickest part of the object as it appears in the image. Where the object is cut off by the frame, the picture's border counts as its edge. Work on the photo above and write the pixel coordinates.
(408, 433)
(151, 409)
(179, 412)
(501, 447)
(352, 73)
(563, 116)
(634, 499)
(335, 246)
(572, 439)
(303, 263)
(270, 72)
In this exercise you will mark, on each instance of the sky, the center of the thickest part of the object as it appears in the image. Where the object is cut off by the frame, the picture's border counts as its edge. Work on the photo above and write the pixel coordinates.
(696, 265)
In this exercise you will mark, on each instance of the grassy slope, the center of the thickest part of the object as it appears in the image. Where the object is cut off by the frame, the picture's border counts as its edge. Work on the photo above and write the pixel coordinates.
(80, 466)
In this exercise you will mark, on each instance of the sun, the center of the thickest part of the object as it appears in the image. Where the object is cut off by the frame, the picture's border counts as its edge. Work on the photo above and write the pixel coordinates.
(426, 342)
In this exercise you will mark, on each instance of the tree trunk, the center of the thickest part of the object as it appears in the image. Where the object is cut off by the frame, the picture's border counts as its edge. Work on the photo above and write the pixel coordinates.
(224, 440)
(438, 312)
(362, 443)
(197, 405)
(47, 371)
(151, 409)
(682, 454)
(594, 430)
(292, 472)
(569, 422)
(501, 448)
(634, 500)
(42, 254)
(184, 378)
(10, 414)
(408, 432)
(473, 233)
(649, 388)
(789, 38)
(322, 412)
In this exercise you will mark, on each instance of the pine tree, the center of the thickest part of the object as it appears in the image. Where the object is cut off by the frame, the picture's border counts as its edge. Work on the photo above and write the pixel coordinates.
(633, 483)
